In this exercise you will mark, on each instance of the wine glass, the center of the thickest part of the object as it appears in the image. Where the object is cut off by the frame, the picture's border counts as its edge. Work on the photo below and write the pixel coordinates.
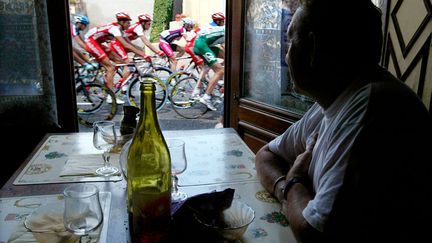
(178, 165)
(82, 211)
(105, 138)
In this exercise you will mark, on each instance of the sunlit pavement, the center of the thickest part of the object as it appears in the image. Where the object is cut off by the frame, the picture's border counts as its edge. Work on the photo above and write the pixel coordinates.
(169, 120)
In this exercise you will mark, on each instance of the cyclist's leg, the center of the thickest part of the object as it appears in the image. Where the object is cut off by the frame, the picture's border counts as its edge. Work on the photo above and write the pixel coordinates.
(210, 59)
(121, 57)
(166, 48)
(204, 69)
(96, 50)
(218, 74)
(110, 71)
(180, 51)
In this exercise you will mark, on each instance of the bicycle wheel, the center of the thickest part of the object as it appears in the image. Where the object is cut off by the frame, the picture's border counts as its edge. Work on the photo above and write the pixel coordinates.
(182, 102)
(134, 93)
(163, 73)
(92, 105)
(172, 80)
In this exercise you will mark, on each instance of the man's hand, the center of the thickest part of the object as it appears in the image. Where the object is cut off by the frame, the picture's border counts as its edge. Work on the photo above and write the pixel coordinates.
(300, 167)
(147, 58)
(161, 53)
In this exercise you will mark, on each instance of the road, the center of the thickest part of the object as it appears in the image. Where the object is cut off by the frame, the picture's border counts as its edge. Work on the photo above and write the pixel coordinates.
(169, 120)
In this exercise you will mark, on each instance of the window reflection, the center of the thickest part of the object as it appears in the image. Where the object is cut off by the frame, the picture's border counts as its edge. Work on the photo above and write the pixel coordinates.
(266, 72)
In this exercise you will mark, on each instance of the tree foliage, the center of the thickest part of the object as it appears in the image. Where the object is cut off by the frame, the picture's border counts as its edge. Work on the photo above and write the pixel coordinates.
(162, 15)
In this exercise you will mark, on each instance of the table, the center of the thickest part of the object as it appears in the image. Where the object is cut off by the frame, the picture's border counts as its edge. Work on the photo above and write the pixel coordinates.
(217, 159)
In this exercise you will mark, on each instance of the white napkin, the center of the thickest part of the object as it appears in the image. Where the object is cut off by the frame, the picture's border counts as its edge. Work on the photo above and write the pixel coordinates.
(83, 165)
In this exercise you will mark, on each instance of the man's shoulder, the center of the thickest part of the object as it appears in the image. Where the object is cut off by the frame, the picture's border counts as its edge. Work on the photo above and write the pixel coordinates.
(386, 89)
(395, 106)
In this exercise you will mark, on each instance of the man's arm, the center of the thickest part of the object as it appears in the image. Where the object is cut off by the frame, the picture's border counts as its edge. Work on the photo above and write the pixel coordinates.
(297, 196)
(80, 57)
(150, 45)
(80, 41)
(270, 167)
(77, 57)
(129, 46)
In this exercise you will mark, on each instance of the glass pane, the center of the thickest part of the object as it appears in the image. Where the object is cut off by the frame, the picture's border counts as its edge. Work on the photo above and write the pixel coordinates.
(26, 77)
(266, 72)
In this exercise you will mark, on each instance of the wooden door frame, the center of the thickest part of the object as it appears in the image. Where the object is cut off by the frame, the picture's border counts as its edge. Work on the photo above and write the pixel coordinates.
(61, 49)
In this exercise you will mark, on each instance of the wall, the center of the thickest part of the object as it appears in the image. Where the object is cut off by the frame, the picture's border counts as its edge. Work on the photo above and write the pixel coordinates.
(408, 46)
(103, 12)
(201, 11)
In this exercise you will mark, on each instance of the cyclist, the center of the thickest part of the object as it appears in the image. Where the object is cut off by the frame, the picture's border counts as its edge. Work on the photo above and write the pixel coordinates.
(141, 29)
(113, 34)
(218, 19)
(79, 24)
(190, 41)
(168, 36)
(206, 46)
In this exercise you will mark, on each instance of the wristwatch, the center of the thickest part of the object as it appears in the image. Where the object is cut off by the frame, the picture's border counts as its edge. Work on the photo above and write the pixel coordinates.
(289, 183)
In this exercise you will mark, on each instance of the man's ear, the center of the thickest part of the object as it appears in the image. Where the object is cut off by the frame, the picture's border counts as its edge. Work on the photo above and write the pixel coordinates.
(312, 49)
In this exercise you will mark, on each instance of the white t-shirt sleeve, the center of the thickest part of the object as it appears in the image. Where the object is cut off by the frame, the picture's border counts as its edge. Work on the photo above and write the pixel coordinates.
(293, 141)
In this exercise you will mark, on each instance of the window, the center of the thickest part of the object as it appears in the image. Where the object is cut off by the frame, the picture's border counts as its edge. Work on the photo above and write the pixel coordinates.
(266, 77)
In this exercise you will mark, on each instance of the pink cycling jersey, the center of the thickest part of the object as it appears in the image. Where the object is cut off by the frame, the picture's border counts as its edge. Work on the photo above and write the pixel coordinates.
(74, 30)
(168, 36)
(172, 35)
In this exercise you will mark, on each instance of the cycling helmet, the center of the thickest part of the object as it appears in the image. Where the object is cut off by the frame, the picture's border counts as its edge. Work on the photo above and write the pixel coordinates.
(218, 16)
(187, 21)
(122, 16)
(144, 17)
(81, 19)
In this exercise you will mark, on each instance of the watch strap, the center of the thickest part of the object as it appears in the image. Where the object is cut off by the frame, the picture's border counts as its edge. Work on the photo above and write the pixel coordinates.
(290, 182)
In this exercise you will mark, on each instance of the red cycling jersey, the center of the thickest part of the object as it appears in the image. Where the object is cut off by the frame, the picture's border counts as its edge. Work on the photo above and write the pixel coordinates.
(134, 31)
(104, 33)
(190, 39)
(98, 35)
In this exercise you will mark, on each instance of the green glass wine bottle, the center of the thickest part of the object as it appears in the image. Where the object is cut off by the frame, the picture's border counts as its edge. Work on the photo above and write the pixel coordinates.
(149, 175)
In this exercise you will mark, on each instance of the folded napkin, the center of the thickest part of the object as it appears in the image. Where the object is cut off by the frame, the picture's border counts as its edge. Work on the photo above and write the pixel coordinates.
(83, 165)
(208, 207)
(52, 228)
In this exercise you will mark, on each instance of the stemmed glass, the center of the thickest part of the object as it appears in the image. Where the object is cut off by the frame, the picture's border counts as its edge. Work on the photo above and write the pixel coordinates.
(105, 138)
(178, 166)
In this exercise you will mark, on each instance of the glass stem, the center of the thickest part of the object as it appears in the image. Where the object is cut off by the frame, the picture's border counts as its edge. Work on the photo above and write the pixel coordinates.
(106, 156)
(175, 181)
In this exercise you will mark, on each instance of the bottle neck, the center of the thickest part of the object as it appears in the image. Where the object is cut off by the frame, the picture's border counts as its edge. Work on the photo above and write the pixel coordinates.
(148, 115)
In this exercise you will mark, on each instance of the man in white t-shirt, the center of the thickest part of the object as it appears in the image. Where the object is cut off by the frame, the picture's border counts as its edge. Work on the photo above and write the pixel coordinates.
(356, 166)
